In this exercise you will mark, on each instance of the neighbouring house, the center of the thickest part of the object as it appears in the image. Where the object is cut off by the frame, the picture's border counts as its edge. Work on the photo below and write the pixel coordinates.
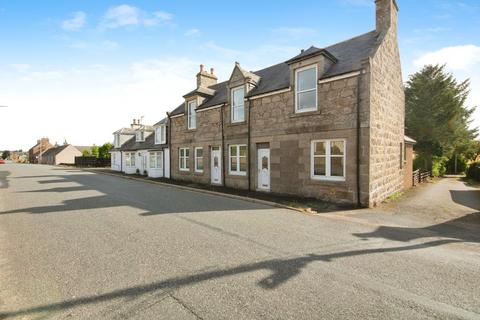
(18, 156)
(327, 123)
(145, 153)
(120, 137)
(64, 154)
(34, 153)
(408, 156)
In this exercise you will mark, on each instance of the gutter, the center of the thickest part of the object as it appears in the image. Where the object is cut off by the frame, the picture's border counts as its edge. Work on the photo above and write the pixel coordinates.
(169, 139)
(358, 136)
(248, 144)
(223, 145)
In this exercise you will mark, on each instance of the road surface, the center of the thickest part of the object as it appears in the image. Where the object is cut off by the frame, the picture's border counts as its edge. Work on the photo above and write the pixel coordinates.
(80, 245)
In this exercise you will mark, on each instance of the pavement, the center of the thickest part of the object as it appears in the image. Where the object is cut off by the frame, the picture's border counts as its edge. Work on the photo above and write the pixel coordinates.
(82, 245)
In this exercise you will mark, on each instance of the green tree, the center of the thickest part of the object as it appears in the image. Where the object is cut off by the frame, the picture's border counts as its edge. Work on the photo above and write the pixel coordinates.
(86, 153)
(103, 151)
(94, 151)
(436, 115)
(5, 154)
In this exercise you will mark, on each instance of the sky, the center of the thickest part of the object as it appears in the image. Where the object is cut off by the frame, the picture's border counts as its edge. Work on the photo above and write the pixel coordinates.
(78, 70)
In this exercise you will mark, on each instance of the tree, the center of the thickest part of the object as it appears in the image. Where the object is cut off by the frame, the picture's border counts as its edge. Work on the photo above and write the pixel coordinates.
(103, 151)
(94, 151)
(86, 153)
(436, 115)
(5, 154)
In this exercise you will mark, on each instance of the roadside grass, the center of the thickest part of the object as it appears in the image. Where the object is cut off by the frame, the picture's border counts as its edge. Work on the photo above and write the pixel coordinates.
(393, 197)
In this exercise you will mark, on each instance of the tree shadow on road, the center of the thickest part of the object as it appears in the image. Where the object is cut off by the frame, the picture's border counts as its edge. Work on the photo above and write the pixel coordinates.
(465, 229)
(467, 198)
(282, 270)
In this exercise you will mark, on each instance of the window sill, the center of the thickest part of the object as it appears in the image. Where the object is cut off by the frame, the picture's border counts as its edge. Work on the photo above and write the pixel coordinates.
(184, 170)
(238, 174)
(304, 113)
(328, 179)
(237, 123)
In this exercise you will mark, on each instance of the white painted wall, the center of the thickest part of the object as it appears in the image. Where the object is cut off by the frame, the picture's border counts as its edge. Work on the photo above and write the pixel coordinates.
(116, 157)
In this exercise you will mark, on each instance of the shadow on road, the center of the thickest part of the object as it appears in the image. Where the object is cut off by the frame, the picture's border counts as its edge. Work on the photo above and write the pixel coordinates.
(467, 198)
(466, 229)
(282, 270)
(4, 179)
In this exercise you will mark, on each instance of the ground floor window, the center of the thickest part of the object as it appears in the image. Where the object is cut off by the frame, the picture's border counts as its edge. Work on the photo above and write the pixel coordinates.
(130, 159)
(238, 160)
(328, 160)
(114, 158)
(198, 159)
(184, 153)
(155, 160)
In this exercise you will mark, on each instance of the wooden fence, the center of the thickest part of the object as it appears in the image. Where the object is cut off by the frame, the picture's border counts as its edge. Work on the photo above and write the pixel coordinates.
(420, 177)
(92, 162)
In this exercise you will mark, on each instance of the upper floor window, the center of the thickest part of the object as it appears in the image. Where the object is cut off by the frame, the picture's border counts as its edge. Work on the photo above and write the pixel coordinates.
(160, 135)
(238, 108)
(328, 160)
(192, 114)
(116, 140)
(306, 89)
(140, 136)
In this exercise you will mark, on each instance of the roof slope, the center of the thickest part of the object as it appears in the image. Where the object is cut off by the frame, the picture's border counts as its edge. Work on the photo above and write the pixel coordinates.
(55, 150)
(349, 55)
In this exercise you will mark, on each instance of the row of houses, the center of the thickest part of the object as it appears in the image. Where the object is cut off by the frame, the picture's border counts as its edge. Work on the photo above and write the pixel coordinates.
(43, 152)
(327, 123)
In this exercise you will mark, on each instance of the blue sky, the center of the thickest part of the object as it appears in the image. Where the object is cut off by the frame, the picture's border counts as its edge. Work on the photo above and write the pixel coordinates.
(78, 70)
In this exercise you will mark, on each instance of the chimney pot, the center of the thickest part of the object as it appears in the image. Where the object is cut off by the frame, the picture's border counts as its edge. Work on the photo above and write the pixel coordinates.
(201, 67)
(211, 71)
(301, 51)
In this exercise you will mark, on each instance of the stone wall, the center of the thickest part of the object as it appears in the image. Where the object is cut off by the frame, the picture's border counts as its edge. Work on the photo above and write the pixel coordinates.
(387, 117)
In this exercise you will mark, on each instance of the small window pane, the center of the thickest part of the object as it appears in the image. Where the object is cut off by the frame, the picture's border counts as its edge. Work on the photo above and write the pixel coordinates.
(243, 164)
(238, 113)
(319, 148)
(159, 160)
(265, 162)
(187, 152)
(152, 160)
(243, 151)
(233, 164)
(199, 152)
(306, 79)
(233, 151)
(336, 147)
(319, 166)
(337, 167)
(306, 100)
(238, 96)
(200, 164)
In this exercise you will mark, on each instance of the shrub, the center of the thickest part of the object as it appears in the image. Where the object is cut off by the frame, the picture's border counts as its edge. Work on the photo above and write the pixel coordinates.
(439, 166)
(473, 171)
(461, 164)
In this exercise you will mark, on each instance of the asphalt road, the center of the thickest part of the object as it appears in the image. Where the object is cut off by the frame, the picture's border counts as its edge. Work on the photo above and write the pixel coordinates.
(79, 245)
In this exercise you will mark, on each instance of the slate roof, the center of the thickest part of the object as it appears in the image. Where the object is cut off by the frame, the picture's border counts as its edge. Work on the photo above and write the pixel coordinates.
(125, 131)
(54, 151)
(148, 144)
(348, 55)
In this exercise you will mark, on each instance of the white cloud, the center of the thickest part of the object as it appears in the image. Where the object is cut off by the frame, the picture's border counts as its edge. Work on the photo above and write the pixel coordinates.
(192, 32)
(20, 67)
(456, 57)
(126, 15)
(77, 21)
(464, 63)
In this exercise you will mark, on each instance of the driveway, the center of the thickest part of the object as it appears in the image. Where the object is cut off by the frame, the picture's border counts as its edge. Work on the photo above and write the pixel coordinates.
(79, 245)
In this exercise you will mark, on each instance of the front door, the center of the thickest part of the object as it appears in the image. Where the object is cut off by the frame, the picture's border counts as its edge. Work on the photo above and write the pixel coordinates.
(216, 166)
(263, 172)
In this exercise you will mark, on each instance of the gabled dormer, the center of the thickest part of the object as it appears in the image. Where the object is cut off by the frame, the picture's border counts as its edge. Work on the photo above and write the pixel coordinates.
(241, 82)
(305, 70)
(161, 132)
(124, 134)
(143, 132)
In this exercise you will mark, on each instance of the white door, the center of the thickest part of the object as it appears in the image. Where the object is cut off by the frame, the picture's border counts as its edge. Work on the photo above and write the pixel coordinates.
(263, 171)
(216, 166)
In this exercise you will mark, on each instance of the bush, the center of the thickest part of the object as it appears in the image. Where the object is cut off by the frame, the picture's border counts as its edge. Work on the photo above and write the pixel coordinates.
(473, 171)
(439, 166)
(461, 164)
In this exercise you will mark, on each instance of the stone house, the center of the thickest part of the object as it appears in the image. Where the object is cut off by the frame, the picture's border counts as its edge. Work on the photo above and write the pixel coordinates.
(64, 154)
(34, 153)
(327, 123)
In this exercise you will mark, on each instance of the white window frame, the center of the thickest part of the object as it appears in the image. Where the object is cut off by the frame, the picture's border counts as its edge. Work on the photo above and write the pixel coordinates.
(328, 161)
(184, 157)
(140, 136)
(160, 134)
(130, 159)
(191, 115)
(155, 156)
(116, 139)
(297, 92)
(236, 171)
(196, 159)
(233, 107)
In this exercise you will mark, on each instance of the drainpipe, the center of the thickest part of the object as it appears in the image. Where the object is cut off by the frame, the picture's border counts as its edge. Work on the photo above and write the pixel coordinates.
(169, 143)
(248, 147)
(223, 145)
(358, 136)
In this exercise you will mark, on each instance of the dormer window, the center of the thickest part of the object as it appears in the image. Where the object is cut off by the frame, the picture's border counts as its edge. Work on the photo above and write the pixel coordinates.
(306, 89)
(192, 115)
(140, 136)
(238, 106)
(116, 140)
(160, 135)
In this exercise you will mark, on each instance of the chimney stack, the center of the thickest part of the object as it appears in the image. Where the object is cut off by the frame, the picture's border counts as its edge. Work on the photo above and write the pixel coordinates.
(135, 124)
(206, 79)
(386, 15)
